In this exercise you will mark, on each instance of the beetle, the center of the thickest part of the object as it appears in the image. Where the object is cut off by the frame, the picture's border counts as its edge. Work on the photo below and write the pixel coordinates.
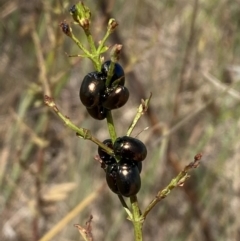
(111, 173)
(106, 158)
(115, 97)
(128, 178)
(92, 87)
(129, 148)
(98, 112)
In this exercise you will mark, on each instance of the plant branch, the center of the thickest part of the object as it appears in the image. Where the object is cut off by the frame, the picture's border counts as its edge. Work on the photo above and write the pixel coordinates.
(87, 231)
(114, 58)
(136, 220)
(142, 109)
(81, 132)
(112, 24)
(90, 40)
(111, 128)
(179, 180)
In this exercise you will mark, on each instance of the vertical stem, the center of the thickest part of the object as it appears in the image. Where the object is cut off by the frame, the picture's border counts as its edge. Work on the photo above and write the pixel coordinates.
(111, 127)
(90, 41)
(137, 223)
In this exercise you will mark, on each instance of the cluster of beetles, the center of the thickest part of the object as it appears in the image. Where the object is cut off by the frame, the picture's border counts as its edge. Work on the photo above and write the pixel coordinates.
(99, 98)
(124, 167)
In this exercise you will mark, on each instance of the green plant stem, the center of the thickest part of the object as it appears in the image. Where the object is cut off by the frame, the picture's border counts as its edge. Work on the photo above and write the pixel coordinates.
(111, 127)
(103, 41)
(90, 41)
(136, 220)
(112, 24)
(141, 111)
(78, 43)
(88, 54)
(110, 73)
(95, 55)
(114, 58)
(81, 132)
(179, 180)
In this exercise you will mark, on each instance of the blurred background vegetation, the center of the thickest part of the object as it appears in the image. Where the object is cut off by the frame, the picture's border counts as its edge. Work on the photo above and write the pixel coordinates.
(187, 53)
